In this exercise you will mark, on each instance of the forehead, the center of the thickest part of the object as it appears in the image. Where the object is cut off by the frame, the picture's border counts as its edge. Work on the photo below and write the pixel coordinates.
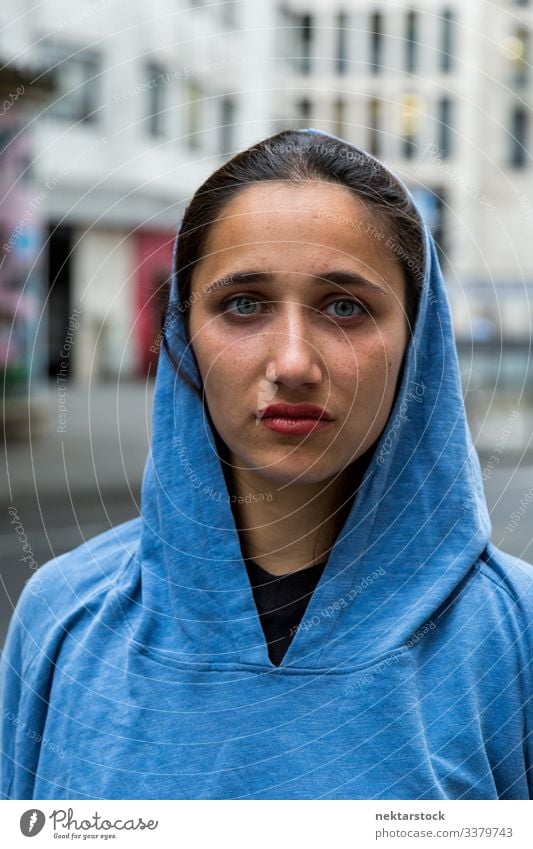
(305, 227)
(299, 206)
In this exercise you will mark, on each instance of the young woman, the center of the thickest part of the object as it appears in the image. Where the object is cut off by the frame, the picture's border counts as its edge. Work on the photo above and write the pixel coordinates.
(309, 606)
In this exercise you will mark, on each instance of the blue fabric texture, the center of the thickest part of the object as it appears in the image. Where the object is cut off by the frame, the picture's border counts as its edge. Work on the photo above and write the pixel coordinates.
(136, 666)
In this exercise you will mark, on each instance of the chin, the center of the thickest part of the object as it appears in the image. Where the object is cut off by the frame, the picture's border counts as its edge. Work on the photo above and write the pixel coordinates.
(290, 467)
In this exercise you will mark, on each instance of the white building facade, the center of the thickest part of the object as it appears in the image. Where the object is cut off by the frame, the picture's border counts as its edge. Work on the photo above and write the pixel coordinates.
(149, 100)
(441, 91)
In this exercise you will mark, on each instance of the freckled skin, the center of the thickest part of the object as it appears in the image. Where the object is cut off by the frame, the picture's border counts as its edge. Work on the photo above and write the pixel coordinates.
(291, 350)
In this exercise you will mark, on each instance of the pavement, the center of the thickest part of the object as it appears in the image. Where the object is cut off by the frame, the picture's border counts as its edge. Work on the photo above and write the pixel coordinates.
(80, 473)
(99, 442)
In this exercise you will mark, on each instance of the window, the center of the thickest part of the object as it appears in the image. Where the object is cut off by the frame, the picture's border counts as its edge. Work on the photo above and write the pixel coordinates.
(519, 137)
(444, 127)
(410, 121)
(432, 202)
(408, 147)
(306, 39)
(376, 42)
(229, 13)
(284, 24)
(304, 111)
(521, 58)
(155, 83)
(75, 72)
(194, 115)
(296, 34)
(341, 47)
(411, 41)
(227, 124)
(374, 125)
(447, 47)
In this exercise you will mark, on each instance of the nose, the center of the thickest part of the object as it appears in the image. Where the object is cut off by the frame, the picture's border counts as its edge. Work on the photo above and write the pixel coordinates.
(294, 360)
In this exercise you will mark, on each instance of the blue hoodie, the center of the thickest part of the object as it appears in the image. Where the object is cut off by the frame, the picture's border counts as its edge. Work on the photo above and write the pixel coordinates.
(136, 665)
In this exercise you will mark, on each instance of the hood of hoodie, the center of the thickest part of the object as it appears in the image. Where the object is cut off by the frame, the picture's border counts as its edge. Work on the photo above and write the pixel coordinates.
(417, 526)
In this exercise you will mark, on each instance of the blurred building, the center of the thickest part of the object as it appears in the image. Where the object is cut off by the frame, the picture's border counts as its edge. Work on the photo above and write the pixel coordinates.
(442, 92)
(152, 98)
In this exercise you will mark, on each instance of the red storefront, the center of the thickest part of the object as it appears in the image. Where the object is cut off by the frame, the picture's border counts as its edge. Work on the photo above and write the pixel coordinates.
(153, 262)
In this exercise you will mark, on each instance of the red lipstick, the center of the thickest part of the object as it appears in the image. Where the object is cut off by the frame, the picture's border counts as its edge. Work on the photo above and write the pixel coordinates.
(297, 419)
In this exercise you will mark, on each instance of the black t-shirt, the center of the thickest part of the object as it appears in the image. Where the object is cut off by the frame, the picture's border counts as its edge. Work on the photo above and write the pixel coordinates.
(281, 601)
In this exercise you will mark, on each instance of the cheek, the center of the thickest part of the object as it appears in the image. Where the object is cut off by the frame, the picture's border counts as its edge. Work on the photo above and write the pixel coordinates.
(223, 365)
(373, 361)
(371, 380)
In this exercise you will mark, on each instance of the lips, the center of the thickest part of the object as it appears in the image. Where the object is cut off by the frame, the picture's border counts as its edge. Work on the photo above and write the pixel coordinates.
(294, 419)
(295, 411)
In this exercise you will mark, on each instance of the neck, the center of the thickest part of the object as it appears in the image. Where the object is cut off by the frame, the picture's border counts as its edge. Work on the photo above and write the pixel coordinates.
(291, 528)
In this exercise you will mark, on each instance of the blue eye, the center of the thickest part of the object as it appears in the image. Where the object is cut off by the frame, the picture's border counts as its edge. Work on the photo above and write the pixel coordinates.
(357, 308)
(245, 305)
(246, 302)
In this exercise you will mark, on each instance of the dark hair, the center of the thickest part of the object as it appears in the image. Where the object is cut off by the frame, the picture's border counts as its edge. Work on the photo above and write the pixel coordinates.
(296, 157)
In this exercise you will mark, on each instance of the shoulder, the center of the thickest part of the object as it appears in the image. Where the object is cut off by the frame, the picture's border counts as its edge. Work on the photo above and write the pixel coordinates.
(85, 570)
(70, 583)
(507, 597)
(490, 613)
(59, 595)
(510, 575)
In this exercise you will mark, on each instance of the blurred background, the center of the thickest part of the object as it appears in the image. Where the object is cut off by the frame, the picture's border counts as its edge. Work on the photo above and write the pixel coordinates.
(111, 115)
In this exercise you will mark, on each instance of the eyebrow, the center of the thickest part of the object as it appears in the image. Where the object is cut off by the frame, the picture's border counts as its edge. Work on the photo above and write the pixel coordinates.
(338, 278)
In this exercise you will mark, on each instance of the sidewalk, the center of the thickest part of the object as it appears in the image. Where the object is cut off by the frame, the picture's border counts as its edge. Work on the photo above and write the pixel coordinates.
(71, 485)
(99, 444)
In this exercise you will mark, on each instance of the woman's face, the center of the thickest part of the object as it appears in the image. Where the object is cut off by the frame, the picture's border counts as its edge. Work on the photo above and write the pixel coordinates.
(319, 319)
